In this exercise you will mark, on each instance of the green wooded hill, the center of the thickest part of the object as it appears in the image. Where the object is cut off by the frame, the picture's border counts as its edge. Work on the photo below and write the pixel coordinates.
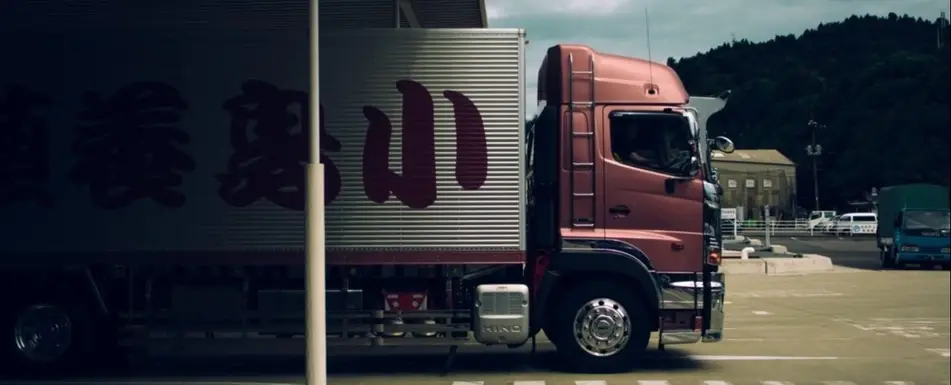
(879, 85)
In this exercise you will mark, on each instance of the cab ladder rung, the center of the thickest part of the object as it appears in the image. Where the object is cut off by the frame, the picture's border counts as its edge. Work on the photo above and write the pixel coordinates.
(589, 135)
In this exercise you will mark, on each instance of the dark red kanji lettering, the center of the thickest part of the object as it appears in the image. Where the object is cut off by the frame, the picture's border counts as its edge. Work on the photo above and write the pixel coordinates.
(472, 159)
(416, 187)
(127, 146)
(24, 147)
(270, 135)
(331, 173)
(271, 165)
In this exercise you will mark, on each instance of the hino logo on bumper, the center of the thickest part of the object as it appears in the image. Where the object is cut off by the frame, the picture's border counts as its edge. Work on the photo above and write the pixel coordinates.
(502, 329)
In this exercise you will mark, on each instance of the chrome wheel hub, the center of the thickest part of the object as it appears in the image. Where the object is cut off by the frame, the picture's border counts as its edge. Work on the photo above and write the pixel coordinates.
(42, 333)
(602, 327)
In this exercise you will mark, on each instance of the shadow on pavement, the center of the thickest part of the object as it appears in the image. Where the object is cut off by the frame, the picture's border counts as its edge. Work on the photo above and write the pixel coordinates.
(379, 362)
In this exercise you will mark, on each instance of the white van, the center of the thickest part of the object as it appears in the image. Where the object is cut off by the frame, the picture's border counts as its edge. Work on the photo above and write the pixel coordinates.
(817, 218)
(855, 223)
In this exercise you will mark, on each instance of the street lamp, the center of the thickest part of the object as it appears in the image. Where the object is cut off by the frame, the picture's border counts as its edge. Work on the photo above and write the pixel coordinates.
(814, 150)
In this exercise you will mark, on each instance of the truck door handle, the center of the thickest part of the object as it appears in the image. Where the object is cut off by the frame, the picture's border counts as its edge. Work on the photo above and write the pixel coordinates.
(619, 211)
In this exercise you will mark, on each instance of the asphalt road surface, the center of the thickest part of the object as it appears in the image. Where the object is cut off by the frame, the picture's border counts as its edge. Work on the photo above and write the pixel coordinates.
(851, 326)
(857, 252)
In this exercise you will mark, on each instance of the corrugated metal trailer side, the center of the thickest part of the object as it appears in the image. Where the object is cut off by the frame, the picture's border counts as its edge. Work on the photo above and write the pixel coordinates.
(454, 99)
(186, 145)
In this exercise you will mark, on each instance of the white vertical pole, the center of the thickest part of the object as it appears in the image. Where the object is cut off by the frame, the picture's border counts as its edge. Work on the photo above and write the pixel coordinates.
(315, 258)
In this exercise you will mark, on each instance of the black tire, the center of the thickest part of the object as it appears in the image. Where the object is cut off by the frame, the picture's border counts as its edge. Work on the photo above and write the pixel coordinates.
(88, 346)
(886, 258)
(896, 264)
(571, 352)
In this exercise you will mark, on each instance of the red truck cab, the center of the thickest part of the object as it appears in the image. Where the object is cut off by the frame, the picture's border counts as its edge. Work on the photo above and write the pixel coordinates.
(615, 169)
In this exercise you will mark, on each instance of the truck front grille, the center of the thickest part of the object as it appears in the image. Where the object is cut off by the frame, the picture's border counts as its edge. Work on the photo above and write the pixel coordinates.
(506, 303)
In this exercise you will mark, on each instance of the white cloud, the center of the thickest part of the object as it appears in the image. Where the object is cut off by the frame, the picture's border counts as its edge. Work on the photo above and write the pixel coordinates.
(678, 28)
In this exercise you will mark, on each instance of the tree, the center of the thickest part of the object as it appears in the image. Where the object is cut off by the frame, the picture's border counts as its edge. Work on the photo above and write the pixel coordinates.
(879, 85)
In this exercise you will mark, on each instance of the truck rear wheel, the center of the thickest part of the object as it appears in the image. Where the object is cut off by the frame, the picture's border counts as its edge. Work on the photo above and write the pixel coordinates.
(601, 327)
(49, 337)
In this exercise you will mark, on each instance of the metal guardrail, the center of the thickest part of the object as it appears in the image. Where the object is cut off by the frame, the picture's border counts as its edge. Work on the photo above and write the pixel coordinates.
(790, 228)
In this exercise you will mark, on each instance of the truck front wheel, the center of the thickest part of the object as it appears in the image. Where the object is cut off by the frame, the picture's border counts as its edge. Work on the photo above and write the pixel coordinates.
(886, 258)
(601, 327)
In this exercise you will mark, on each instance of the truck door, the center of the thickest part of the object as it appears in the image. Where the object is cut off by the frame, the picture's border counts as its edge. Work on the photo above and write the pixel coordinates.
(662, 219)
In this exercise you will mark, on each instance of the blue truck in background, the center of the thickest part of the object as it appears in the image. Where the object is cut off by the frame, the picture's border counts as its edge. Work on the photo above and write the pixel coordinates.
(914, 226)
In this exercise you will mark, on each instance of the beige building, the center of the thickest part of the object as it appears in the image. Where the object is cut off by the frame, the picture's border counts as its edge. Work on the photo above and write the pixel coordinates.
(752, 179)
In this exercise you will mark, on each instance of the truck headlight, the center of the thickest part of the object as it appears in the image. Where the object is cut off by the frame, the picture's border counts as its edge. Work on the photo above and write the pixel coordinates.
(946, 250)
(910, 248)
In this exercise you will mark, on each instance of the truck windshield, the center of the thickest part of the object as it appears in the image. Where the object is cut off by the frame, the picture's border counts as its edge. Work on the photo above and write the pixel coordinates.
(660, 141)
(928, 220)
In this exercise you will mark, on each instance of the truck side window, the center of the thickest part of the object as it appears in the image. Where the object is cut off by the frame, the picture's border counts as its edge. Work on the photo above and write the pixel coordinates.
(660, 142)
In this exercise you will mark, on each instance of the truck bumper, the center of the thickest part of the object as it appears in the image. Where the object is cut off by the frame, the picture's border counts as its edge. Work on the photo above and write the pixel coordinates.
(715, 332)
(683, 307)
(908, 257)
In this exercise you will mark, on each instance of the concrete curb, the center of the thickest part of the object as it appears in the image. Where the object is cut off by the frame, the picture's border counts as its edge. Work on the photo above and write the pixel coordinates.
(780, 249)
(809, 263)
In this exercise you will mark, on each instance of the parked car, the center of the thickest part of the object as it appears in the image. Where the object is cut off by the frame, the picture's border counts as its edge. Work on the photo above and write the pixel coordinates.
(828, 225)
(818, 219)
(858, 223)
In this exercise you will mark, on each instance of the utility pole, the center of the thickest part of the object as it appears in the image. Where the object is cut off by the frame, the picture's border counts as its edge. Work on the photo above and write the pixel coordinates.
(316, 301)
(942, 26)
(814, 150)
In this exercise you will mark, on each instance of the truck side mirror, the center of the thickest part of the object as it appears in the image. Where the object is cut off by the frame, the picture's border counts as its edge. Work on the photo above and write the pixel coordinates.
(690, 171)
(724, 144)
(692, 168)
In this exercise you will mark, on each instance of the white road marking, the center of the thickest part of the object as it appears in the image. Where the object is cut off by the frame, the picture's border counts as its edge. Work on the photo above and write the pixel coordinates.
(582, 382)
(761, 312)
(147, 382)
(787, 294)
(760, 339)
(758, 358)
(913, 328)
(775, 327)
(942, 352)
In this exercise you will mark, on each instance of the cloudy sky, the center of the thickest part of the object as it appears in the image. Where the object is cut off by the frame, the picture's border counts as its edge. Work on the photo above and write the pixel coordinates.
(678, 28)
